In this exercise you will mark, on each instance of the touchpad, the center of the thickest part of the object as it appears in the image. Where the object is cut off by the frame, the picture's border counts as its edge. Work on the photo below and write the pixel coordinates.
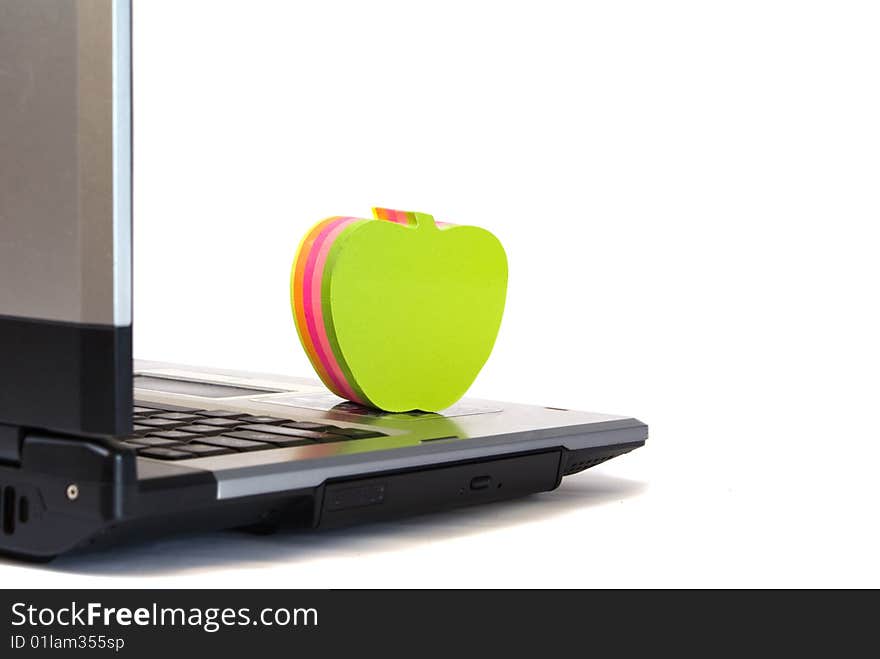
(327, 402)
(194, 388)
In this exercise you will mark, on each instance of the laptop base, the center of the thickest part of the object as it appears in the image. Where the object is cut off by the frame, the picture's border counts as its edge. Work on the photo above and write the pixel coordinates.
(40, 520)
(213, 449)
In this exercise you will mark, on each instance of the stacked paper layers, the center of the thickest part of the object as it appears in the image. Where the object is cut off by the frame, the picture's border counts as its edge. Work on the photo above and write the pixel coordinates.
(320, 298)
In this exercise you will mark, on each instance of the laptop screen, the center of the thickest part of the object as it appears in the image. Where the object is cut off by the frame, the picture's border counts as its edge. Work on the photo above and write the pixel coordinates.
(65, 215)
(65, 154)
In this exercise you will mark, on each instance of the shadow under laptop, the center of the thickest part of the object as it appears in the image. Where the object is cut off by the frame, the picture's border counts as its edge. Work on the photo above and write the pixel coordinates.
(194, 553)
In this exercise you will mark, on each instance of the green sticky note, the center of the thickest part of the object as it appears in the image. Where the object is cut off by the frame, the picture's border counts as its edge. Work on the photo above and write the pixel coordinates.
(408, 312)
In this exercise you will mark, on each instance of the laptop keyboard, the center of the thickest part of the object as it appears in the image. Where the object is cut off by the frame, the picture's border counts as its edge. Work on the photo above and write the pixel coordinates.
(168, 432)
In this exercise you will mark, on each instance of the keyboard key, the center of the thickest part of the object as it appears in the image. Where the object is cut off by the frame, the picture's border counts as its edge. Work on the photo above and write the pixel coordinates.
(357, 433)
(220, 423)
(176, 416)
(287, 432)
(176, 435)
(248, 418)
(200, 429)
(310, 425)
(165, 454)
(276, 440)
(144, 410)
(154, 441)
(233, 443)
(204, 450)
(154, 422)
(129, 444)
(220, 414)
(141, 430)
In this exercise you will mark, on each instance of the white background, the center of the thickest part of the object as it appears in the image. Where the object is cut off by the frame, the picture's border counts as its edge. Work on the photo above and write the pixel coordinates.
(688, 194)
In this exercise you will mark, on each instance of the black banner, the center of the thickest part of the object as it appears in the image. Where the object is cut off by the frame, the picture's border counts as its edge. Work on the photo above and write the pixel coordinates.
(458, 623)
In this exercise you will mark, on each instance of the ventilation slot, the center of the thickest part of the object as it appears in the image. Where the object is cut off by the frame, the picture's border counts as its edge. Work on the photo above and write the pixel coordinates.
(581, 465)
(13, 509)
(8, 508)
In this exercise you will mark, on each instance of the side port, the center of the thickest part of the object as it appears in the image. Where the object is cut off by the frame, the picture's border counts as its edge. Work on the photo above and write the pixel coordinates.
(397, 494)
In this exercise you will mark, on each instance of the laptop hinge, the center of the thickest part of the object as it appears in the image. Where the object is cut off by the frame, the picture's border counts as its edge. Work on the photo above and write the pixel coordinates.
(11, 438)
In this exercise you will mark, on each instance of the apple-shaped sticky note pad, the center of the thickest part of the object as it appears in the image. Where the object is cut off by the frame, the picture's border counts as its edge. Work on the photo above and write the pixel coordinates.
(398, 312)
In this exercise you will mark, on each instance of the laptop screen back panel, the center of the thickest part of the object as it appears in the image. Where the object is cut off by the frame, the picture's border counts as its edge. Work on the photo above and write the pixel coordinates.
(65, 215)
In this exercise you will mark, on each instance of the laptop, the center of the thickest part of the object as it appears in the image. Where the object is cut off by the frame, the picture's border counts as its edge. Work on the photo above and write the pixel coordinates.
(96, 449)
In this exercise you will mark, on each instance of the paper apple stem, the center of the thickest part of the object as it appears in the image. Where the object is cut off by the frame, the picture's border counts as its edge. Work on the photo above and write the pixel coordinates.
(425, 222)
(407, 218)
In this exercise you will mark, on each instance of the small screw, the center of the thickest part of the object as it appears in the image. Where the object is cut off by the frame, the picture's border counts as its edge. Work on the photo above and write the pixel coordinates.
(73, 492)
